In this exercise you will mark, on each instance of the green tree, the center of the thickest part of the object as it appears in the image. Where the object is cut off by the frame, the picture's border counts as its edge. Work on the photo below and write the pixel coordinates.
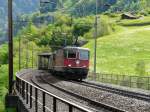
(81, 27)
(58, 38)
(3, 55)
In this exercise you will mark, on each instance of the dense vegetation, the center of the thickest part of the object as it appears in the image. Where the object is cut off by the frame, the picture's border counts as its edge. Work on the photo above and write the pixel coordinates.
(78, 8)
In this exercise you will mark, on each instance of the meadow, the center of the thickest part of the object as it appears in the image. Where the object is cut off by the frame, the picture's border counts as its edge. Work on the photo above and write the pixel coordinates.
(125, 51)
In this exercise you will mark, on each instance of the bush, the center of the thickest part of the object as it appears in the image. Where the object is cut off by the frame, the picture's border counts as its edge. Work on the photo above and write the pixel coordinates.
(59, 37)
(4, 54)
(105, 27)
(144, 13)
(140, 68)
(112, 15)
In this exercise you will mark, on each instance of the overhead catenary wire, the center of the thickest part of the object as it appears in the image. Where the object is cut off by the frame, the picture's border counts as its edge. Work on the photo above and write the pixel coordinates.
(92, 24)
(83, 8)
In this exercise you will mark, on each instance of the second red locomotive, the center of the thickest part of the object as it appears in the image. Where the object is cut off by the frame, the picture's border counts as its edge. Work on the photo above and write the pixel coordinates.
(72, 62)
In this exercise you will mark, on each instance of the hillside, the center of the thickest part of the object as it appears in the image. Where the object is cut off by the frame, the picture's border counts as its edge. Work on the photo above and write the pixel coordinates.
(133, 6)
(19, 7)
(78, 8)
(126, 51)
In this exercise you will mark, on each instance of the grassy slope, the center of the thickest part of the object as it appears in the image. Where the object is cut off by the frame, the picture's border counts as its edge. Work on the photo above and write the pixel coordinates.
(121, 51)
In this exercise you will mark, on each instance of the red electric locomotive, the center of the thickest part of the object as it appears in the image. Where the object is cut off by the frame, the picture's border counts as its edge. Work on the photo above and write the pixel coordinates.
(72, 62)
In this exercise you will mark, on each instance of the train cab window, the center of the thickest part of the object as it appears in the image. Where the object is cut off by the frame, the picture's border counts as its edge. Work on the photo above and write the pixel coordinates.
(65, 53)
(83, 55)
(71, 54)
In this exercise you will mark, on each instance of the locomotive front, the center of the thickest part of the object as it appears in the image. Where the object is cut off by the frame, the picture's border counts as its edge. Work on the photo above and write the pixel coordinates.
(76, 61)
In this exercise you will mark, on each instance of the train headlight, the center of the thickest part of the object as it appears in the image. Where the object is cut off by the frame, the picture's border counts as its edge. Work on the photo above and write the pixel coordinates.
(77, 62)
(69, 65)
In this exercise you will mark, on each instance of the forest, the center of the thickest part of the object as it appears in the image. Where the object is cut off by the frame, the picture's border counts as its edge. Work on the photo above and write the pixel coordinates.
(75, 7)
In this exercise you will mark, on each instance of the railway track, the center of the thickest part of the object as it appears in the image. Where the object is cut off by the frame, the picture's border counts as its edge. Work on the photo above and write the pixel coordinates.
(38, 102)
(131, 94)
(106, 107)
(66, 89)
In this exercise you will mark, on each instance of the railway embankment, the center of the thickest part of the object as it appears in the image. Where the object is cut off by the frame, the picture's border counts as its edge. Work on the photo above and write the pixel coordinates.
(121, 101)
(82, 94)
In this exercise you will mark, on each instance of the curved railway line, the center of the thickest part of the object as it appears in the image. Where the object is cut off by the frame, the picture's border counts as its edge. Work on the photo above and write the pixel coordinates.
(39, 100)
(101, 99)
(105, 107)
(136, 95)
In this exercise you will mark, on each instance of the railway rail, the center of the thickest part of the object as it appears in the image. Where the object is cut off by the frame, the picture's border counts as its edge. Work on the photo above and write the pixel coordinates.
(106, 107)
(120, 101)
(89, 95)
(131, 94)
(25, 89)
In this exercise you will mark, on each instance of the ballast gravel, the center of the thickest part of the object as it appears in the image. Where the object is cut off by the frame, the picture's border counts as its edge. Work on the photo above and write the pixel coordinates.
(119, 101)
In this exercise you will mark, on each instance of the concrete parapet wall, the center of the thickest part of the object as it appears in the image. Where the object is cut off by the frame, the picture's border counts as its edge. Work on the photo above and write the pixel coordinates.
(12, 101)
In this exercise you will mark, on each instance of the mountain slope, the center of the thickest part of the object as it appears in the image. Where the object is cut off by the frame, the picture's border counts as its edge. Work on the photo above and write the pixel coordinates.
(19, 7)
(131, 5)
(124, 52)
(76, 7)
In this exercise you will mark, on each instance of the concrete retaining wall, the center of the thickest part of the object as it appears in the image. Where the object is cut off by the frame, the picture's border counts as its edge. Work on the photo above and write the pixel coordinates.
(12, 101)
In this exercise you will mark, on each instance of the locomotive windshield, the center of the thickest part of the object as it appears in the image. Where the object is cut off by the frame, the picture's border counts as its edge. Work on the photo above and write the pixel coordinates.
(84, 55)
(71, 54)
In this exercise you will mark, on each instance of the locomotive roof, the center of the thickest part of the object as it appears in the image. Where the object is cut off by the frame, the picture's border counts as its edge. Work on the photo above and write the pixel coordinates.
(79, 48)
(45, 54)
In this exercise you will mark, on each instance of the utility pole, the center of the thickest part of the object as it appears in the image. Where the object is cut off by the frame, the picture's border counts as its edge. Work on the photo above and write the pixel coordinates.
(19, 49)
(95, 38)
(65, 39)
(27, 54)
(32, 55)
(10, 42)
(19, 52)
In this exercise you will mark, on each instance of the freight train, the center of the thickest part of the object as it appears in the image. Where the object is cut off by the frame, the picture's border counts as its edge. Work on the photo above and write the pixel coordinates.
(71, 62)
